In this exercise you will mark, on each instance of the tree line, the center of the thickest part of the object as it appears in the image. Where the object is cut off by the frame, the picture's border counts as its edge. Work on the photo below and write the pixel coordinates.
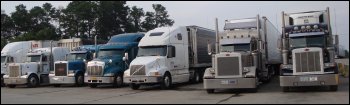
(80, 19)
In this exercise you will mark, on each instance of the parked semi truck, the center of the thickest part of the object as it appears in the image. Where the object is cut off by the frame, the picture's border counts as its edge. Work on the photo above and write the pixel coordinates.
(247, 55)
(16, 52)
(308, 50)
(108, 67)
(169, 55)
(35, 70)
(72, 71)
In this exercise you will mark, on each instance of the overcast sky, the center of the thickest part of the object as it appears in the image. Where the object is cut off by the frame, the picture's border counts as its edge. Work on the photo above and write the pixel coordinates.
(203, 13)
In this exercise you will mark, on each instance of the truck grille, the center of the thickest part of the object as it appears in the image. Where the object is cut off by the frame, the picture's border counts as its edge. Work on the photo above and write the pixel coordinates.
(94, 70)
(137, 70)
(228, 66)
(61, 69)
(14, 71)
(307, 62)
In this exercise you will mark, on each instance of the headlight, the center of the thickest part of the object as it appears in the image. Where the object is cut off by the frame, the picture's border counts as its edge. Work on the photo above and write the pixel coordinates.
(315, 26)
(287, 66)
(245, 70)
(212, 71)
(86, 74)
(126, 74)
(329, 65)
(302, 27)
(109, 74)
(52, 72)
(308, 27)
(71, 72)
(154, 73)
(296, 28)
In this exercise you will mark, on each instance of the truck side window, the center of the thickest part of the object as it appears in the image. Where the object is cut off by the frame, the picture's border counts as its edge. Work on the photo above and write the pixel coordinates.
(44, 59)
(10, 60)
(179, 36)
(171, 52)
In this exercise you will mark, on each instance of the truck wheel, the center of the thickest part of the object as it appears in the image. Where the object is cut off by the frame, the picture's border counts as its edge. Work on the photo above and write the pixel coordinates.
(57, 85)
(254, 90)
(134, 86)
(92, 85)
(32, 81)
(11, 86)
(166, 81)
(285, 89)
(209, 91)
(118, 81)
(333, 87)
(79, 80)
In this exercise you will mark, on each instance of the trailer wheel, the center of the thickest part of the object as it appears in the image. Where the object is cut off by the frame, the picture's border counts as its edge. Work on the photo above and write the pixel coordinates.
(92, 85)
(333, 87)
(135, 86)
(11, 86)
(209, 91)
(79, 80)
(285, 89)
(57, 85)
(166, 81)
(33, 81)
(118, 80)
(196, 77)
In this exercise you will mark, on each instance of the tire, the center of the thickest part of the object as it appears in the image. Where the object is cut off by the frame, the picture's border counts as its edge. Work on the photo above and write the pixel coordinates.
(285, 89)
(11, 86)
(196, 78)
(92, 85)
(166, 82)
(118, 81)
(135, 86)
(254, 90)
(33, 81)
(333, 87)
(79, 80)
(210, 91)
(57, 85)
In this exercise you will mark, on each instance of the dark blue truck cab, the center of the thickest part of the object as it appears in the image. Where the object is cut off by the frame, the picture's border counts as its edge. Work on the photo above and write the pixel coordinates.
(108, 67)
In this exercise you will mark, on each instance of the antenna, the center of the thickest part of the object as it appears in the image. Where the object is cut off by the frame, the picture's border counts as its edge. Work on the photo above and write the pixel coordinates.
(335, 22)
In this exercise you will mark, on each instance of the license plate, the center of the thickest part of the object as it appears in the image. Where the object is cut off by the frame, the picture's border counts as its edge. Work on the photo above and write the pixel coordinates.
(226, 82)
(308, 79)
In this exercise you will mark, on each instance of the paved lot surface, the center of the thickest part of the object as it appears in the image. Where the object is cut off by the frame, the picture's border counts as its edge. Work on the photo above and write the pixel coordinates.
(182, 94)
(269, 93)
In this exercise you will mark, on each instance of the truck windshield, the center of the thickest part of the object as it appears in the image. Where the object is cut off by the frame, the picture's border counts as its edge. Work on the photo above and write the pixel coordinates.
(110, 52)
(307, 41)
(33, 58)
(152, 51)
(77, 56)
(3, 59)
(235, 47)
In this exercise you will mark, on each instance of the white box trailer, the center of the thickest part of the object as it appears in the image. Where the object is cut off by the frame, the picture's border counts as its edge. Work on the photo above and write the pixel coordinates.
(169, 55)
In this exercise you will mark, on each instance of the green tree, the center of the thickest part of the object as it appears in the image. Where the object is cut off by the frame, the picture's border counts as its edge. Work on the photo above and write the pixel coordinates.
(158, 18)
(135, 16)
(7, 26)
(112, 18)
(21, 20)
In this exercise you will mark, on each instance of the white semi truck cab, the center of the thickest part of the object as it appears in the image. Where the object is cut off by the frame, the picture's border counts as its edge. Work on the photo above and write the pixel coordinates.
(247, 55)
(308, 50)
(35, 70)
(169, 55)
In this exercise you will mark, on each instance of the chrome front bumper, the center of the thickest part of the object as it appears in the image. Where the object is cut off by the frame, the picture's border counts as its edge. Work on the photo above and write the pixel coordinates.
(229, 83)
(99, 80)
(15, 81)
(62, 80)
(309, 80)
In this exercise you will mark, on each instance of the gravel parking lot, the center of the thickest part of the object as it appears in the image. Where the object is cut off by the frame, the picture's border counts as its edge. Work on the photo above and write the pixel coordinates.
(183, 94)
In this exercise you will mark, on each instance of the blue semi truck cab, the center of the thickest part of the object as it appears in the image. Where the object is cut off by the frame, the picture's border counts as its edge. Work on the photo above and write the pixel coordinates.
(72, 70)
(108, 67)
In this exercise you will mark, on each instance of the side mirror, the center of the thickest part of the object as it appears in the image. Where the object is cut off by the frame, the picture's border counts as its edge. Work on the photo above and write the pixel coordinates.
(126, 56)
(110, 61)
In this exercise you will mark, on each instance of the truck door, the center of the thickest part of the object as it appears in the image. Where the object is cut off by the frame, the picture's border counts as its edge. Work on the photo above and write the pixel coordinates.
(44, 67)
